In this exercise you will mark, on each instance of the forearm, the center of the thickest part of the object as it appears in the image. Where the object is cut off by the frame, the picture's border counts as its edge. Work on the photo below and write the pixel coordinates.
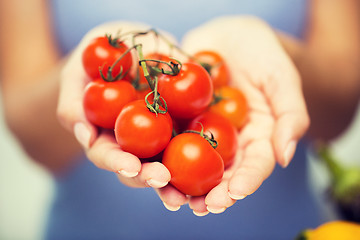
(29, 73)
(328, 61)
(28, 47)
(31, 115)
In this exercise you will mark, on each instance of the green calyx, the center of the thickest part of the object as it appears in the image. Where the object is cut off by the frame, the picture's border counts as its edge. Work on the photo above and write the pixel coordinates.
(155, 106)
(113, 41)
(157, 101)
(109, 77)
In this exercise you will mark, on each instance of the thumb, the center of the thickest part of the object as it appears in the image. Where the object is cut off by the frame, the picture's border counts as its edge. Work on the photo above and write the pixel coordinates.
(291, 117)
(70, 109)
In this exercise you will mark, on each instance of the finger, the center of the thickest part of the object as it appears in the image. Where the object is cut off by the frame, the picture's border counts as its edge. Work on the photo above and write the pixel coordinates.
(73, 80)
(288, 105)
(105, 153)
(257, 160)
(172, 198)
(289, 128)
(257, 164)
(218, 199)
(70, 110)
(155, 174)
(152, 174)
(260, 126)
(197, 204)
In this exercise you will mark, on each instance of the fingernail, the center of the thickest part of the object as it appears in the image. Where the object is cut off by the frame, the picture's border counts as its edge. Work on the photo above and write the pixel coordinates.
(82, 134)
(128, 174)
(155, 183)
(216, 210)
(237, 197)
(200, 214)
(171, 208)
(289, 153)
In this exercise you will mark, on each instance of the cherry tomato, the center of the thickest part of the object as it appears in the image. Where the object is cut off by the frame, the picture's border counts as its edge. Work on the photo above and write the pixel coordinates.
(194, 165)
(188, 93)
(140, 94)
(103, 52)
(141, 132)
(103, 101)
(216, 66)
(232, 105)
(223, 131)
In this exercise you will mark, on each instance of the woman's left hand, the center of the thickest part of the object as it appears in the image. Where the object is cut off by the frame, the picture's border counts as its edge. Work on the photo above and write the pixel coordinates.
(277, 119)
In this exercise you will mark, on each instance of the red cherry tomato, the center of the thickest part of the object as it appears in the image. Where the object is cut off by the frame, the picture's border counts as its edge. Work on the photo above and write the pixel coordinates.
(188, 93)
(103, 52)
(194, 165)
(141, 132)
(103, 101)
(216, 66)
(232, 105)
(223, 131)
(140, 94)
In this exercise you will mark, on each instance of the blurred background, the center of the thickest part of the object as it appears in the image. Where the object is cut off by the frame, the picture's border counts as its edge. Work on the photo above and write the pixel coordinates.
(25, 190)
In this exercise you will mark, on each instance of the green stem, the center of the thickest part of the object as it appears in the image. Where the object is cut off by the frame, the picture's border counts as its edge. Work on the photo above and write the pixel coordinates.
(109, 77)
(211, 139)
(335, 169)
(142, 61)
(155, 106)
(172, 45)
(175, 69)
(163, 38)
(216, 99)
(113, 41)
(144, 66)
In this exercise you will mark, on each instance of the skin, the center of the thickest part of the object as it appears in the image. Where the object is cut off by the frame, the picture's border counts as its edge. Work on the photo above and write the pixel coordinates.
(328, 61)
(329, 56)
(41, 76)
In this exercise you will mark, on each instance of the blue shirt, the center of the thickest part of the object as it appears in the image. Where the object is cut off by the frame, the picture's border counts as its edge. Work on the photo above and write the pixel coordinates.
(91, 203)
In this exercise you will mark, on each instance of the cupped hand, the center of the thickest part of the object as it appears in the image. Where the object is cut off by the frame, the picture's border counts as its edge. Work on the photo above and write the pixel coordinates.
(277, 119)
(259, 67)
(100, 145)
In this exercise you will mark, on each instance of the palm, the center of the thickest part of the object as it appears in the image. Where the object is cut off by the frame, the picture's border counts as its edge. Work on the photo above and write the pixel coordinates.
(261, 69)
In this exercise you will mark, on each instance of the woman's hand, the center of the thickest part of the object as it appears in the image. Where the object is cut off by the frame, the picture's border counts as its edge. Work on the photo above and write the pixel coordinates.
(277, 114)
(259, 67)
(100, 146)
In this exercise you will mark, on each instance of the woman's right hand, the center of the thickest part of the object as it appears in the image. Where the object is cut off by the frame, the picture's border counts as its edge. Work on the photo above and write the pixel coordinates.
(100, 146)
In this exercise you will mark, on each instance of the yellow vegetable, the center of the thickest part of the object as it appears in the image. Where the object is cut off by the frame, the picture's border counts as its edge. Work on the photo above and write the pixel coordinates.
(335, 230)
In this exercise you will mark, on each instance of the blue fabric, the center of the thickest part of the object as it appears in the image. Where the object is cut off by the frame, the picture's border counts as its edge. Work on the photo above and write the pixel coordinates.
(91, 203)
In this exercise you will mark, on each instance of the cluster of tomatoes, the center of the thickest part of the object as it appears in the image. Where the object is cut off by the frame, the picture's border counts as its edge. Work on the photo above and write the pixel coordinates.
(182, 114)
